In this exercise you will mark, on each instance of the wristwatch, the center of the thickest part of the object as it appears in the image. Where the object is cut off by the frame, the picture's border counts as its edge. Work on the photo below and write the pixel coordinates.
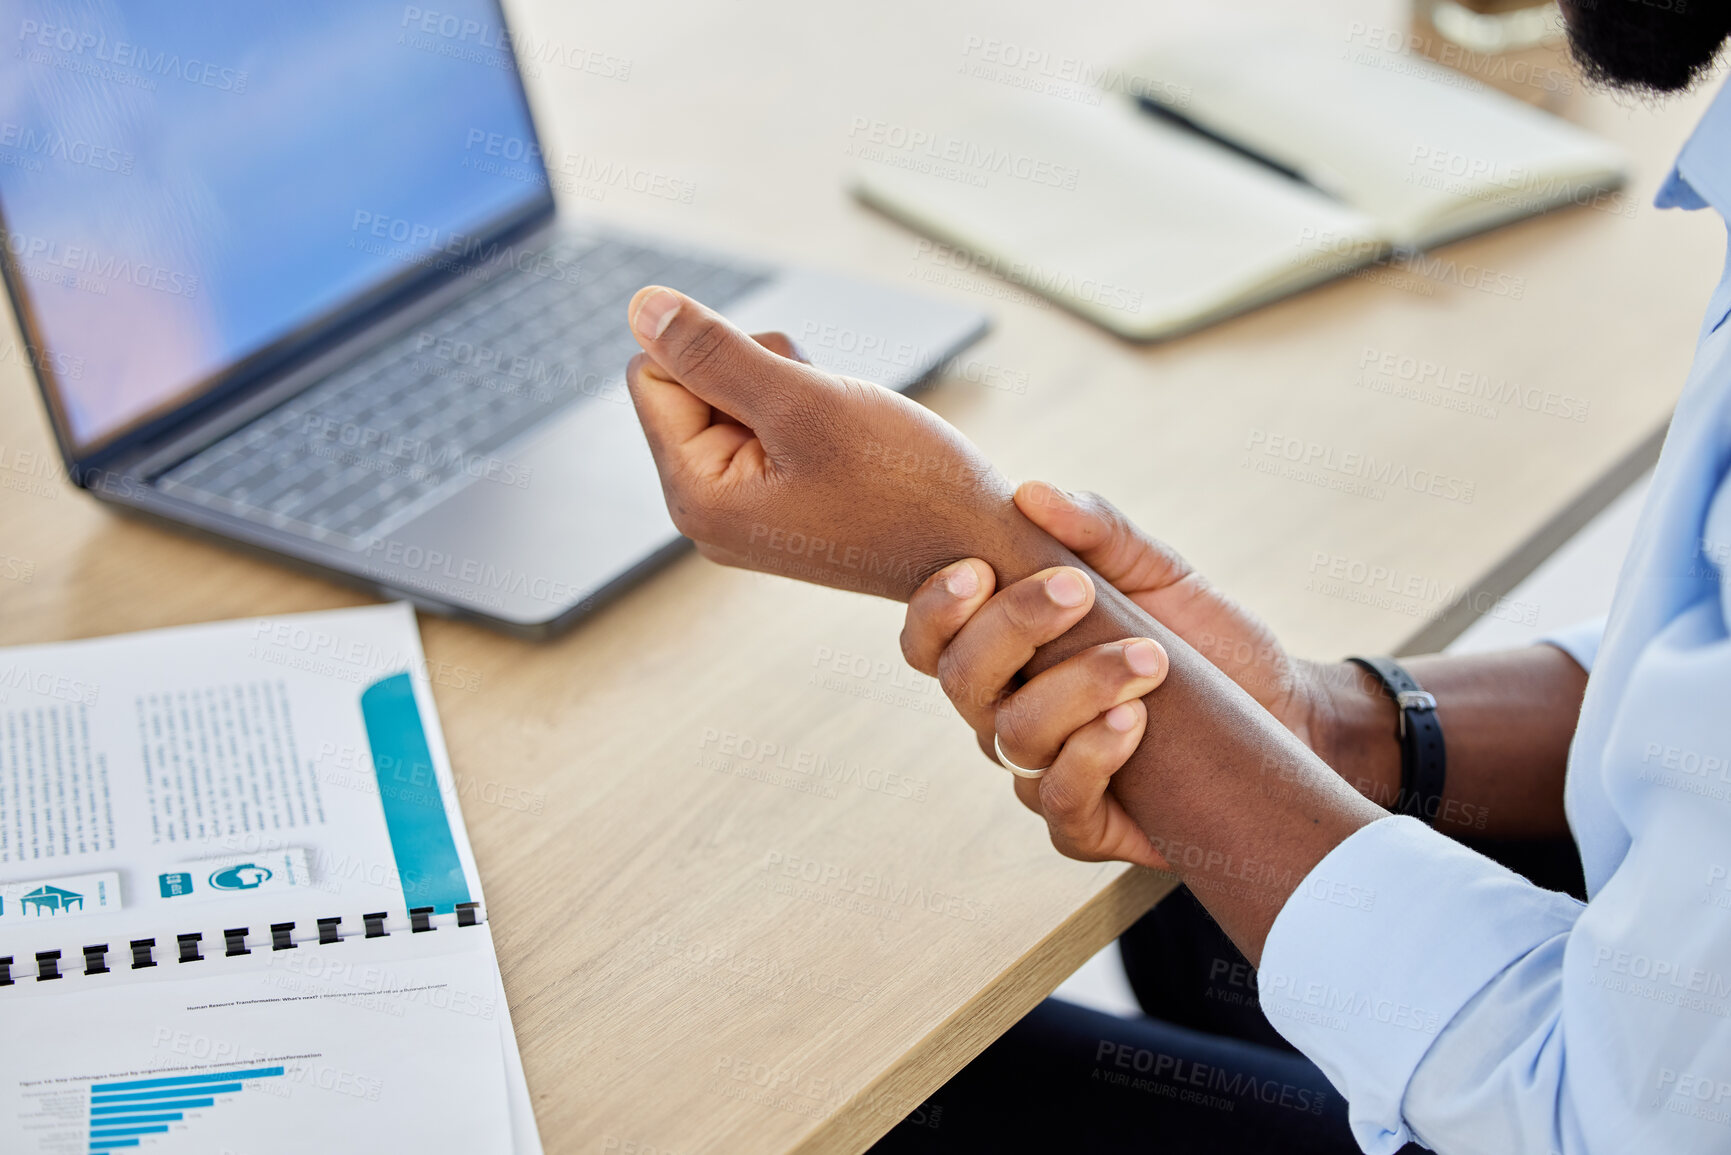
(1423, 766)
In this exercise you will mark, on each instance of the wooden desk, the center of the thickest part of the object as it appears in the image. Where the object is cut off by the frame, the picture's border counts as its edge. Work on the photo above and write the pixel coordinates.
(705, 951)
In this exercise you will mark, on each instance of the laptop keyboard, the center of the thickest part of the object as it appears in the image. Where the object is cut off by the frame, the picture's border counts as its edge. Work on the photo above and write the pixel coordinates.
(379, 441)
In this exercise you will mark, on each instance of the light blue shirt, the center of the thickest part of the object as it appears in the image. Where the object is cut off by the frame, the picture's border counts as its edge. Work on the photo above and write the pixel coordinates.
(1450, 1000)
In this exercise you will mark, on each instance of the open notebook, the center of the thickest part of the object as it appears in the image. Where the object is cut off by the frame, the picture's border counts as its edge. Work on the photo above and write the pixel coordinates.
(1149, 225)
(238, 909)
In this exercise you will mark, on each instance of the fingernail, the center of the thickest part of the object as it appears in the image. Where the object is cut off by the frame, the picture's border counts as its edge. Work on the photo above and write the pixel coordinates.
(1143, 657)
(1121, 718)
(961, 581)
(655, 314)
(1065, 587)
(1058, 496)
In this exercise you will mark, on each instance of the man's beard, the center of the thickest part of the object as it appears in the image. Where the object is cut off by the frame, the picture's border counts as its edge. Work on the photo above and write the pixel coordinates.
(1651, 46)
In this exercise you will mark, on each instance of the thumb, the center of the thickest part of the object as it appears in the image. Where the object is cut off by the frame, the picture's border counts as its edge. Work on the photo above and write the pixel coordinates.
(702, 351)
(1094, 530)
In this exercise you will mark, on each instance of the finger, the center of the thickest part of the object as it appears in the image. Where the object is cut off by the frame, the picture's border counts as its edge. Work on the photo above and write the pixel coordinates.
(1083, 817)
(1094, 530)
(977, 667)
(782, 346)
(1066, 795)
(686, 434)
(671, 414)
(699, 349)
(1034, 722)
(941, 607)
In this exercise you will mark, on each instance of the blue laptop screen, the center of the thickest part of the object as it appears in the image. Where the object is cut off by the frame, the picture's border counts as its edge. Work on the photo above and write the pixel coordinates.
(190, 184)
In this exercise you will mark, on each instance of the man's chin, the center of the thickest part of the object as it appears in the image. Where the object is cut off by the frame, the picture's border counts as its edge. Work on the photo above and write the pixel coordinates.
(1648, 46)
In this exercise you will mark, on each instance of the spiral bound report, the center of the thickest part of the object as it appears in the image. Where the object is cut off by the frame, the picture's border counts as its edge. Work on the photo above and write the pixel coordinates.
(235, 940)
(238, 908)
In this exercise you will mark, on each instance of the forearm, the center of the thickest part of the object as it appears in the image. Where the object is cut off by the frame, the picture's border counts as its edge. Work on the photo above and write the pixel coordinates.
(1507, 720)
(775, 465)
(1243, 810)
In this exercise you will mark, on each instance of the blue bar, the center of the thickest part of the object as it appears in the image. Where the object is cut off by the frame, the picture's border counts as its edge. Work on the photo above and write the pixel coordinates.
(167, 1093)
(103, 1144)
(186, 1080)
(129, 1131)
(415, 819)
(174, 1117)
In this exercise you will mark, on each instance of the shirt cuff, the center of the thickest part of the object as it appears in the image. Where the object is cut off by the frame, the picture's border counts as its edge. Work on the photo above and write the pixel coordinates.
(1580, 641)
(1391, 934)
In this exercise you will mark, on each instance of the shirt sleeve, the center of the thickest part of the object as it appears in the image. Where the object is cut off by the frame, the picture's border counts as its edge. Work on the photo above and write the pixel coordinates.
(1580, 641)
(1383, 944)
(1451, 1001)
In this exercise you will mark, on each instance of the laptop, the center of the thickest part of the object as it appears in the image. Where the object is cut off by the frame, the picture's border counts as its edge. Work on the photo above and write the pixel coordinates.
(292, 275)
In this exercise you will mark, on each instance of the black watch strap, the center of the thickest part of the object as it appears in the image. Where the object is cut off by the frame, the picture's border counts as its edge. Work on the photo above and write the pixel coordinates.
(1423, 766)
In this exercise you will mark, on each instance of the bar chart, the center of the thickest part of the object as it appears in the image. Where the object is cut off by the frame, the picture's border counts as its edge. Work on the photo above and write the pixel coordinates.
(133, 1113)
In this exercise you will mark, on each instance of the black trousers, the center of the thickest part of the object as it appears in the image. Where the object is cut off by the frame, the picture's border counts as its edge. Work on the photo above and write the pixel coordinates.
(1203, 1071)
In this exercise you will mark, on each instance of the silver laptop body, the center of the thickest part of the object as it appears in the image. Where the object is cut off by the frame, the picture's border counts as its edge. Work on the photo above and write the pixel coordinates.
(457, 433)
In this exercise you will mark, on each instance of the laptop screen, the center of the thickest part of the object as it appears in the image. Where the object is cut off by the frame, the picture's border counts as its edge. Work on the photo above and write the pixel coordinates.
(187, 185)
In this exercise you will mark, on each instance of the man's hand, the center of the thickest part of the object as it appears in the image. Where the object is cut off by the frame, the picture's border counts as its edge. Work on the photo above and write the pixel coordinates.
(1082, 718)
(770, 464)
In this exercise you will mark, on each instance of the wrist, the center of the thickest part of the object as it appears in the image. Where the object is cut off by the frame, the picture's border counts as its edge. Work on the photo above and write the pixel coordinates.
(1013, 546)
(985, 524)
(1354, 728)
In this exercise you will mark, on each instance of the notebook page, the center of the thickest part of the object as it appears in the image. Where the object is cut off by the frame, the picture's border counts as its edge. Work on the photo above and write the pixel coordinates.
(1429, 152)
(1145, 229)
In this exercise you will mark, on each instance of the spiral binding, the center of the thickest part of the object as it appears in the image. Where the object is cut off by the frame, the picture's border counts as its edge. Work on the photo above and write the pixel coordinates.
(189, 947)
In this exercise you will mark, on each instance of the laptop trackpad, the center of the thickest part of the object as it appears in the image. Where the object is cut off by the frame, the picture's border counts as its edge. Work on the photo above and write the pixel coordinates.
(579, 509)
